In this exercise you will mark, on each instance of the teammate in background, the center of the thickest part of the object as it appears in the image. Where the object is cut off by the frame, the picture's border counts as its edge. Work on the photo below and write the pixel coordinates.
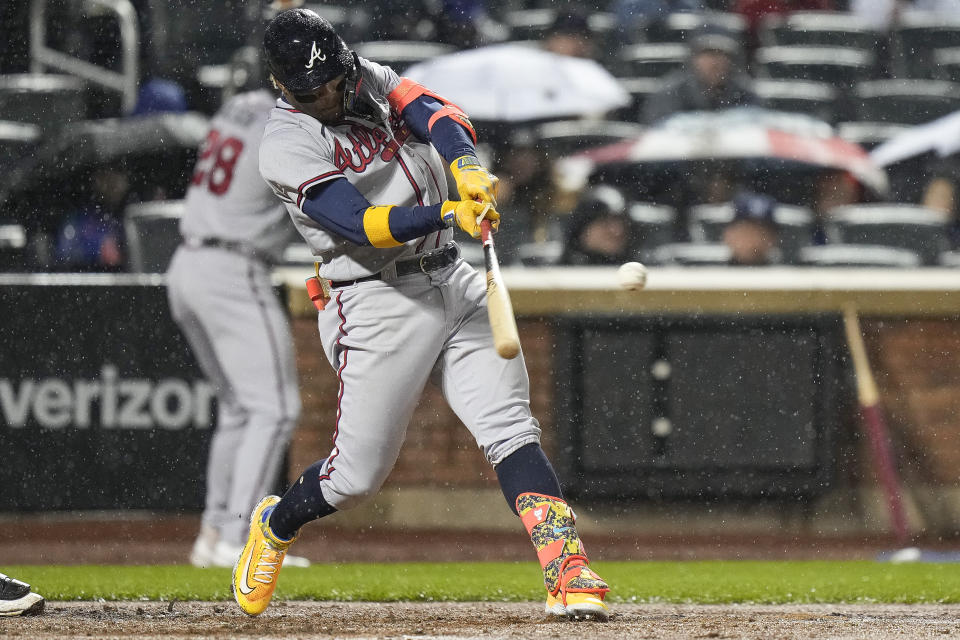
(16, 598)
(357, 154)
(222, 298)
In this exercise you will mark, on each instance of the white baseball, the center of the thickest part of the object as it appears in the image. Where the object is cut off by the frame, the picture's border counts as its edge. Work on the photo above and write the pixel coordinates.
(632, 276)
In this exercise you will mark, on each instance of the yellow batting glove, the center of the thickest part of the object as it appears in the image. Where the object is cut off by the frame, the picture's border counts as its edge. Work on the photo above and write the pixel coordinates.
(467, 214)
(474, 182)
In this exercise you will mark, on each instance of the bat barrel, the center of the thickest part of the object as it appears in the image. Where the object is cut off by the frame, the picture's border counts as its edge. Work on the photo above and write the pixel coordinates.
(503, 324)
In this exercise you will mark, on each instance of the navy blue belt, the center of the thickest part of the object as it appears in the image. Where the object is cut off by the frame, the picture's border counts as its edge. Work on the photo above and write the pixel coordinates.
(423, 263)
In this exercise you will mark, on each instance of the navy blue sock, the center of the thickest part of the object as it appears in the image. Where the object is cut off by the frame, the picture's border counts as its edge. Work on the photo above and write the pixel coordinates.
(302, 503)
(527, 470)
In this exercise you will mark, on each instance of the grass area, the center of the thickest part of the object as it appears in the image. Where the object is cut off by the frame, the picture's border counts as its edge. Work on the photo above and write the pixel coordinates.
(680, 582)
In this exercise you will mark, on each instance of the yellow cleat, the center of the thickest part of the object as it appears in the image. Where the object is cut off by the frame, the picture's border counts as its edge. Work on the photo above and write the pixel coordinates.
(580, 595)
(580, 606)
(256, 571)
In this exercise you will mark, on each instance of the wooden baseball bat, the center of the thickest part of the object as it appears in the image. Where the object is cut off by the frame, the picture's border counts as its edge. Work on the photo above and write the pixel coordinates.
(506, 339)
(875, 425)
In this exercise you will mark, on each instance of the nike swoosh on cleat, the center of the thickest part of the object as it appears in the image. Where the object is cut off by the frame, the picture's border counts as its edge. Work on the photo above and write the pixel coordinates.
(245, 587)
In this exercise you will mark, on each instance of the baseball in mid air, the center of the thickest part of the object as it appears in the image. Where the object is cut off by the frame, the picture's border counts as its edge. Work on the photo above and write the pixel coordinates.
(632, 276)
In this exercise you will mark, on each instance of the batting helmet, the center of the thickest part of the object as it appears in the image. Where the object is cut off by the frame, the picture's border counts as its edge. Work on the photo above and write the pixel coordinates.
(303, 52)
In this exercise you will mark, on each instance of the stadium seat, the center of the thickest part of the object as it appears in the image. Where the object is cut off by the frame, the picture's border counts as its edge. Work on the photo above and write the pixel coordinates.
(538, 254)
(152, 234)
(950, 259)
(402, 54)
(651, 60)
(905, 101)
(869, 134)
(915, 39)
(690, 254)
(817, 99)
(297, 253)
(529, 24)
(922, 231)
(679, 27)
(13, 244)
(17, 142)
(640, 89)
(535, 23)
(563, 137)
(655, 225)
(838, 66)
(946, 64)
(47, 100)
(706, 221)
(794, 226)
(819, 28)
(349, 21)
(472, 253)
(857, 255)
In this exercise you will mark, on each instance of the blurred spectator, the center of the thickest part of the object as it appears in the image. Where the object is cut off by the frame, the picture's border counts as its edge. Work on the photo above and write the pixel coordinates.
(90, 238)
(160, 96)
(885, 13)
(404, 20)
(599, 230)
(459, 23)
(526, 192)
(635, 16)
(752, 234)
(940, 193)
(832, 189)
(710, 81)
(570, 35)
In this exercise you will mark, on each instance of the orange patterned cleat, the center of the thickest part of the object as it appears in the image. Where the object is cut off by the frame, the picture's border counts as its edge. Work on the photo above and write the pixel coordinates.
(256, 571)
(573, 589)
(580, 595)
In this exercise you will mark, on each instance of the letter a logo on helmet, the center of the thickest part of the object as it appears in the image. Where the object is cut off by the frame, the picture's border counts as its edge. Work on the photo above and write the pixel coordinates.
(315, 55)
(303, 51)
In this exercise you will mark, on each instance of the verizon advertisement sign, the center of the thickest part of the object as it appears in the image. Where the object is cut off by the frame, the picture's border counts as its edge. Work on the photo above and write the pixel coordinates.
(108, 402)
(102, 405)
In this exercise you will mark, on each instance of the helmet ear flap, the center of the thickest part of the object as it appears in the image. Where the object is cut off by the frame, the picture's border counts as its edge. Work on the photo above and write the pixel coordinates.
(361, 103)
(354, 78)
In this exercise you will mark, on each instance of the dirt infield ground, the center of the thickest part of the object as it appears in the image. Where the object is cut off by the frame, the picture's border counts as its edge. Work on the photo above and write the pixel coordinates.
(433, 621)
(167, 540)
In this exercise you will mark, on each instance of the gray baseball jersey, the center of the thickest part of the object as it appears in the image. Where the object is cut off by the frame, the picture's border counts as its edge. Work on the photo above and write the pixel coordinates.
(221, 295)
(227, 199)
(385, 162)
(386, 337)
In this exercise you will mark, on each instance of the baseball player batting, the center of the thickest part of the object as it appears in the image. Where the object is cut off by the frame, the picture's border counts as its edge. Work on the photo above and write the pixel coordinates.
(222, 298)
(358, 155)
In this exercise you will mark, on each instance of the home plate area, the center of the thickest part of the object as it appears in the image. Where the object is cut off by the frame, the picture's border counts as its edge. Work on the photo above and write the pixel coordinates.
(484, 620)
